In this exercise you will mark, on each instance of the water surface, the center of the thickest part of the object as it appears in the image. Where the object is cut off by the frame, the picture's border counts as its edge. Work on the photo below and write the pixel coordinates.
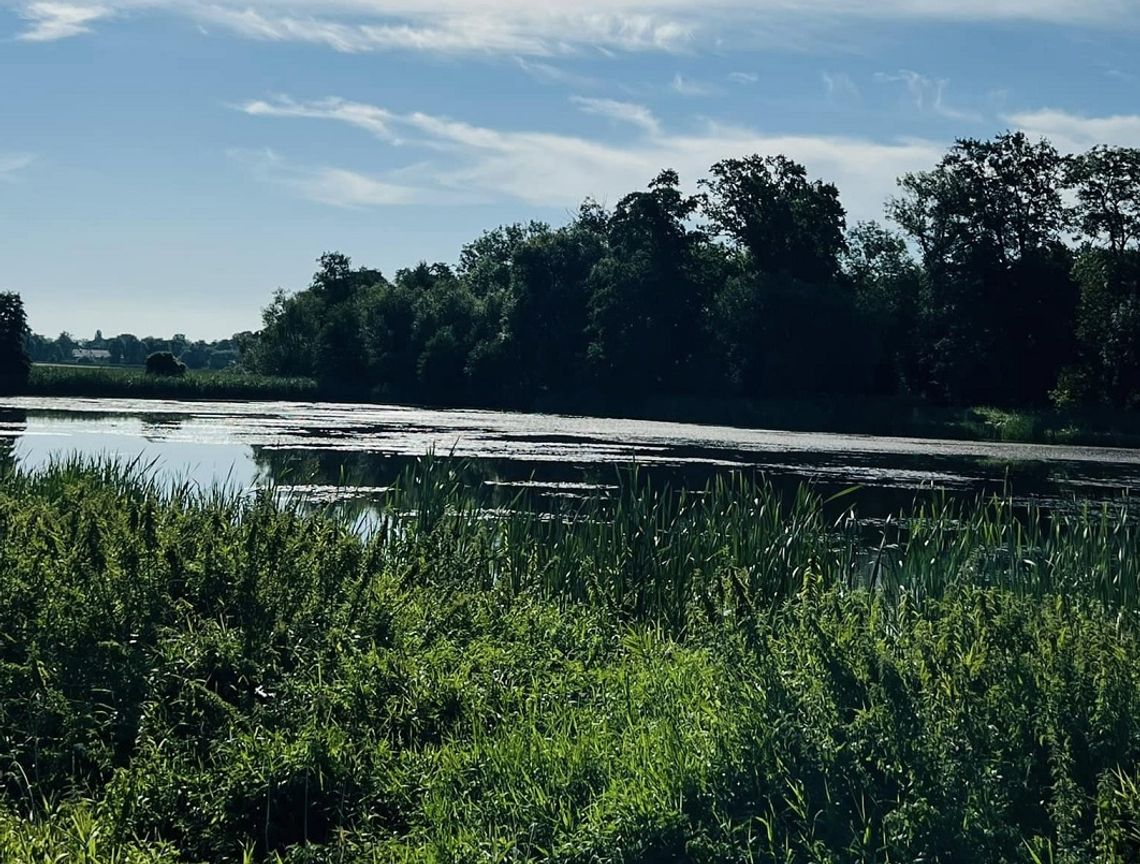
(323, 451)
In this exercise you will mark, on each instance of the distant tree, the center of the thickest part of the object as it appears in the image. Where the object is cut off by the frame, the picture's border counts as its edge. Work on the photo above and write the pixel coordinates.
(165, 364)
(1108, 329)
(336, 281)
(789, 224)
(66, 344)
(990, 221)
(887, 287)
(1107, 180)
(388, 314)
(785, 322)
(646, 296)
(15, 364)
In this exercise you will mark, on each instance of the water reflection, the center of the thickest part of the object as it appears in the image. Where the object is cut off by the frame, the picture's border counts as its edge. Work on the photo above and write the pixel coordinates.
(156, 428)
(352, 453)
(13, 424)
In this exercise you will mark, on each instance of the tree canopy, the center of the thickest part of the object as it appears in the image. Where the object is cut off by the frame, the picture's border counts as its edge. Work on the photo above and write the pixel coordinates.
(1010, 275)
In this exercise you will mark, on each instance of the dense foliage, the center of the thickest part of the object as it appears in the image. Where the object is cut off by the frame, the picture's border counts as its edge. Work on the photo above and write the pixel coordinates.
(1012, 279)
(195, 676)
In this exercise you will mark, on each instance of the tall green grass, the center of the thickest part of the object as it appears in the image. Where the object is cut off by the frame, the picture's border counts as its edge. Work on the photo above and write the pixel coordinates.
(112, 382)
(198, 675)
(672, 556)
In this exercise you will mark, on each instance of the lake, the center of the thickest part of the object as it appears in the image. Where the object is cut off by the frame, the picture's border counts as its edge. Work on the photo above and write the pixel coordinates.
(332, 451)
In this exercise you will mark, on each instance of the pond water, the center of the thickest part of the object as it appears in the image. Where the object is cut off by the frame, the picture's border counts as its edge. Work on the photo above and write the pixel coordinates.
(323, 451)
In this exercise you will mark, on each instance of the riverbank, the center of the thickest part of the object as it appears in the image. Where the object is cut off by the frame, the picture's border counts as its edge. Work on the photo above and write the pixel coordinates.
(850, 415)
(188, 676)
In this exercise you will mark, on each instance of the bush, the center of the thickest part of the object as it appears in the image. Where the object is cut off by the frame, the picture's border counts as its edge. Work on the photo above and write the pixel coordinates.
(166, 364)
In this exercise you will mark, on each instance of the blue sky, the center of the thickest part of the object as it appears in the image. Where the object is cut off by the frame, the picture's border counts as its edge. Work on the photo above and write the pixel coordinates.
(165, 165)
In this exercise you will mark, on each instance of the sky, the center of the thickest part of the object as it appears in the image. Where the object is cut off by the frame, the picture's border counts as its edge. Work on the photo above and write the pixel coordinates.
(166, 165)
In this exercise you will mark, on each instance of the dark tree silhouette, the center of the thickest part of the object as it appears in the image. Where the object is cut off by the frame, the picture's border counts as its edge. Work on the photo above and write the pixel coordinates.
(165, 364)
(15, 364)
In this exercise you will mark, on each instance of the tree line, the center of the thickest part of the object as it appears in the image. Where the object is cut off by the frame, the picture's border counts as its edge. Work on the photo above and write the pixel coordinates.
(1009, 275)
(126, 349)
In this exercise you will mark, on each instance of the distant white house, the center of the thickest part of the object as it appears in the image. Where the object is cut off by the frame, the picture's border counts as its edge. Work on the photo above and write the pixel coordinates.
(92, 355)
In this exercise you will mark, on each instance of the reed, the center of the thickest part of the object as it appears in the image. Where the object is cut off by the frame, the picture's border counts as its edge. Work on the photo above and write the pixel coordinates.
(117, 382)
(201, 674)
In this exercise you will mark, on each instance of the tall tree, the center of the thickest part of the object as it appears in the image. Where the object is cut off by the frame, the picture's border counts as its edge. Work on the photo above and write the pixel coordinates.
(15, 365)
(789, 224)
(645, 294)
(1107, 180)
(887, 287)
(990, 220)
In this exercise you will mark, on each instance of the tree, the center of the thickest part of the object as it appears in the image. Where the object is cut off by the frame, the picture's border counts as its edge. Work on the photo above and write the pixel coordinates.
(886, 284)
(336, 281)
(646, 297)
(165, 364)
(1107, 180)
(15, 365)
(990, 220)
(788, 224)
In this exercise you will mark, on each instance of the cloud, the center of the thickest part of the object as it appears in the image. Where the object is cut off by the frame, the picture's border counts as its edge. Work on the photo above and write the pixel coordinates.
(12, 163)
(688, 87)
(366, 117)
(928, 94)
(839, 86)
(496, 28)
(624, 112)
(50, 20)
(561, 27)
(456, 161)
(1073, 133)
(548, 73)
(743, 77)
(327, 185)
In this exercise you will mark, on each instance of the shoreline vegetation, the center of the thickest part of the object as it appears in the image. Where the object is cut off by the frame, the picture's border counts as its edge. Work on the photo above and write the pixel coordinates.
(187, 675)
(842, 414)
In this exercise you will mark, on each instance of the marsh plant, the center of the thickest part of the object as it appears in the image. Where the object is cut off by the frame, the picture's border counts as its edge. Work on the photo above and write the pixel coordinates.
(650, 675)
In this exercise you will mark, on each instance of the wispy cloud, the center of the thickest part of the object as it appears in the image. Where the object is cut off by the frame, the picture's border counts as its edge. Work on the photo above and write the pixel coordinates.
(689, 87)
(839, 86)
(12, 163)
(337, 187)
(624, 112)
(49, 21)
(490, 28)
(1073, 133)
(454, 160)
(366, 117)
(548, 73)
(743, 78)
(559, 27)
(928, 94)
